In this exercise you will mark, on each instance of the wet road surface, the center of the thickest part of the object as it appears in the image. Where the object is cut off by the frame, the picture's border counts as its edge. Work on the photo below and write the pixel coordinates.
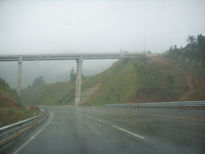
(101, 130)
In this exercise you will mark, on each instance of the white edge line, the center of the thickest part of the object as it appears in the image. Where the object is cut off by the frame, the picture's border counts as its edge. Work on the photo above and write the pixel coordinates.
(30, 139)
(131, 133)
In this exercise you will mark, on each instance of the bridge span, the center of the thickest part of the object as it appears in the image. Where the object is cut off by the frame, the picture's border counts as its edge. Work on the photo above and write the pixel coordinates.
(79, 57)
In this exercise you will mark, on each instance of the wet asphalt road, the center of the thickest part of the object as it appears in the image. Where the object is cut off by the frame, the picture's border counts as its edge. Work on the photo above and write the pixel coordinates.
(100, 130)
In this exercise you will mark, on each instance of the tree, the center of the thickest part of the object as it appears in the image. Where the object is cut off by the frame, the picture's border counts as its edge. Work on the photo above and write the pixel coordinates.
(194, 50)
(201, 42)
(39, 81)
(72, 75)
(191, 40)
(201, 47)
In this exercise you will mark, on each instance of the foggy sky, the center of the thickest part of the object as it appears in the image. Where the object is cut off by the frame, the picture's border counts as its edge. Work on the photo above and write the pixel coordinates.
(53, 26)
(52, 71)
(69, 26)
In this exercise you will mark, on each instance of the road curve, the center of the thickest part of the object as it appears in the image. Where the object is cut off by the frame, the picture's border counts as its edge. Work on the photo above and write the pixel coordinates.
(90, 130)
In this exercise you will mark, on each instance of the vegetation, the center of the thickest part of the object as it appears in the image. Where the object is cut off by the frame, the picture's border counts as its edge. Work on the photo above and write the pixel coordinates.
(72, 75)
(137, 80)
(51, 94)
(39, 81)
(10, 108)
(192, 54)
(194, 50)
(4, 88)
(174, 76)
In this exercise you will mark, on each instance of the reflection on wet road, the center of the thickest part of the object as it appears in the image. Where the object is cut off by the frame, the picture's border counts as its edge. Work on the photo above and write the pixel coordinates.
(116, 130)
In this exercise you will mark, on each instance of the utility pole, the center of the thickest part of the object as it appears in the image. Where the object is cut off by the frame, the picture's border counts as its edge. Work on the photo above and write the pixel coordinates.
(145, 44)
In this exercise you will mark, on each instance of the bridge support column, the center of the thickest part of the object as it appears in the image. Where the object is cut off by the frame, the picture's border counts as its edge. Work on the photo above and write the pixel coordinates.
(78, 81)
(19, 76)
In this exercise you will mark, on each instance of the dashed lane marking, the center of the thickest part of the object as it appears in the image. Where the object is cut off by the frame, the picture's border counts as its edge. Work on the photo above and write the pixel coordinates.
(119, 128)
(129, 132)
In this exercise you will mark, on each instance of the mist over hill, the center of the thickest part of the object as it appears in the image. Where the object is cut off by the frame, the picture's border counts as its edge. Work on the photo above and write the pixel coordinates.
(144, 79)
(176, 75)
(51, 71)
(11, 109)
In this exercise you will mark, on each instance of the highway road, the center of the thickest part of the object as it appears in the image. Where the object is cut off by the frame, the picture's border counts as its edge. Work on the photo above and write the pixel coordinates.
(101, 130)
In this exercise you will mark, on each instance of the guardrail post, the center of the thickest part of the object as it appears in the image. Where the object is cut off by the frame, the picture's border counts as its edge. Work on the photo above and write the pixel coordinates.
(19, 75)
(78, 81)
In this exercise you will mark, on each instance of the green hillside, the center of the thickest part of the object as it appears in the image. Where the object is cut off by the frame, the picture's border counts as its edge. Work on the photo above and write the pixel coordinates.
(51, 94)
(10, 108)
(146, 79)
(176, 75)
(143, 79)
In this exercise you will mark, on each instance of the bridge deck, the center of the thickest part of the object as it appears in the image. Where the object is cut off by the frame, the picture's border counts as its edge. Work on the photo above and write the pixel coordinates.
(44, 57)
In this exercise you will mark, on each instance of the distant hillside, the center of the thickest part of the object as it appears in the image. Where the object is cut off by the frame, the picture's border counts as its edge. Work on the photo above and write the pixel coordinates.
(176, 75)
(51, 94)
(148, 79)
(10, 108)
(144, 79)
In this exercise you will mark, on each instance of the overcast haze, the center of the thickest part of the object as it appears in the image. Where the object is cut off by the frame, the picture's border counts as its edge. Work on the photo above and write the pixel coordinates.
(52, 26)
(60, 26)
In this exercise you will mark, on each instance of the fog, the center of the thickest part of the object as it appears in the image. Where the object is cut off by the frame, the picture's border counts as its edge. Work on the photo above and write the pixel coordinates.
(70, 26)
(52, 71)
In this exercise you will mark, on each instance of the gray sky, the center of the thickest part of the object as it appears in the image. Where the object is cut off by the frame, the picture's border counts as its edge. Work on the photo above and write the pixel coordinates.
(52, 71)
(68, 26)
(60, 26)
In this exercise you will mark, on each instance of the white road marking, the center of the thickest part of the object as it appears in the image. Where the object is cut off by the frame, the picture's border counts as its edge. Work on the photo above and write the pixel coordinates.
(119, 128)
(29, 140)
(131, 133)
(94, 118)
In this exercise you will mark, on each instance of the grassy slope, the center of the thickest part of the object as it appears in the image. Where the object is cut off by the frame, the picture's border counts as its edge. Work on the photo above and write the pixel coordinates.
(129, 81)
(10, 108)
(138, 80)
(51, 94)
(117, 84)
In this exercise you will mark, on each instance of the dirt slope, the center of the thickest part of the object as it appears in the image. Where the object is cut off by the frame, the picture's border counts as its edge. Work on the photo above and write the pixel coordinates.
(144, 79)
(152, 79)
(10, 108)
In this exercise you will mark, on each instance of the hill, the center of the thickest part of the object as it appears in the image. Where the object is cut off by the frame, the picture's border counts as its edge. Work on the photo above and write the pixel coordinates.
(148, 79)
(144, 79)
(49, 94)
(176, 75)
(10, 108)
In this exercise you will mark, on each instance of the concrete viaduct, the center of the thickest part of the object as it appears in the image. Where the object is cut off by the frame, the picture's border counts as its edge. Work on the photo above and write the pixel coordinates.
(78, 57)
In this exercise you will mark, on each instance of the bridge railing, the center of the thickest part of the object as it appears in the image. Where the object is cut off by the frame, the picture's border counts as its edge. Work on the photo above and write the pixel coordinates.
(75, 56)
(182, 105)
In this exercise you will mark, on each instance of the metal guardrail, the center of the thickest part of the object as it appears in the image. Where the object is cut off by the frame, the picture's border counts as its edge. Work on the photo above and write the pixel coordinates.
(161, 104)
(11, 129)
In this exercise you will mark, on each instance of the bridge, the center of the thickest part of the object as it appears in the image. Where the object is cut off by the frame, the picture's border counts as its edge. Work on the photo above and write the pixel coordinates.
(79, 57)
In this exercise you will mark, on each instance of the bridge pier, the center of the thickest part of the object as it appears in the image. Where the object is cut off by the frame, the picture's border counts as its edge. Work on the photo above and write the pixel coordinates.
(77, 56)
(78, 81)
(19, 76)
